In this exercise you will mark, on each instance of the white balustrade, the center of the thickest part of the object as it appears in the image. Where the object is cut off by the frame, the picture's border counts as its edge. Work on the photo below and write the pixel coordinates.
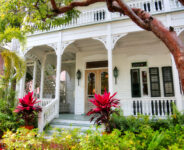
(148, 106)
(44, 102)
(49, 112)
(101, 14)
(88, 17)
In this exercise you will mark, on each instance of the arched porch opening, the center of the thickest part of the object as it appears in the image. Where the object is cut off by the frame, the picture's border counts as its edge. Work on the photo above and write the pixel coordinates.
(145, 83)
(41, 72)
(88, 56)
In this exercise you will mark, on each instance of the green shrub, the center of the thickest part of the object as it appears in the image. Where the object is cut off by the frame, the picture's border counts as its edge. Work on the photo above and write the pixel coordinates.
(147, 139)
(133, 123)
(8, 119)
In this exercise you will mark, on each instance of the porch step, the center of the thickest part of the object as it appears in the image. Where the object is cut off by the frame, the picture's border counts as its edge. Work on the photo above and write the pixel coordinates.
(77, 123)
(72, 122)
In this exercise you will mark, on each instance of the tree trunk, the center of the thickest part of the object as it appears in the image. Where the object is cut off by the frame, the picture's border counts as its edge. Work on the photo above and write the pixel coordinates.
(174, 44)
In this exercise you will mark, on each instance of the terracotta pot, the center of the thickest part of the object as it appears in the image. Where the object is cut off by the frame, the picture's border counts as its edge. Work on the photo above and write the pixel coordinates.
(28, 127)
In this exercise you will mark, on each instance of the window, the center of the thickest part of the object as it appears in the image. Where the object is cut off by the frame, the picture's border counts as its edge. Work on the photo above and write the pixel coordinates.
(91, 84)
(96, 64)
(167, 81)
(154, 82)
(144, 83)
(135, 83)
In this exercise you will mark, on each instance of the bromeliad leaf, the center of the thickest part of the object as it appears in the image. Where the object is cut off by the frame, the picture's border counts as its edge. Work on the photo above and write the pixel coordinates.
(103, 110)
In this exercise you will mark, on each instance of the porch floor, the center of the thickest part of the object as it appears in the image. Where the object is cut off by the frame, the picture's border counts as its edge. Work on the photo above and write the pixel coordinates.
(74, 117)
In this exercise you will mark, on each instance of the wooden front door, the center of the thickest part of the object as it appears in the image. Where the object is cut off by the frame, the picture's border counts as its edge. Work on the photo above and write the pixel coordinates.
(96, 81)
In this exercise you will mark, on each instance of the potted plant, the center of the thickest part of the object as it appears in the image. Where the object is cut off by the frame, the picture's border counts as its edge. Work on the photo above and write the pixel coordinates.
(104, 108)
(28, 110)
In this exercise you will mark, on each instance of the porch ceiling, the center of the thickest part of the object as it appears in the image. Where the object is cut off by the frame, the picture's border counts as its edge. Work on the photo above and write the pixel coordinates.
(140, 43)
(40, 52)
(84, 45)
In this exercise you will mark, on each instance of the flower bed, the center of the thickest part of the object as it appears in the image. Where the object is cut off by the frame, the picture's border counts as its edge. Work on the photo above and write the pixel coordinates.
(147, 138)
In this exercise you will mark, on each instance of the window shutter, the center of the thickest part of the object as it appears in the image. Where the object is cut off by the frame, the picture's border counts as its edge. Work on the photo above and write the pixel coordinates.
(135, 83)
(154, 82)
(168, 81)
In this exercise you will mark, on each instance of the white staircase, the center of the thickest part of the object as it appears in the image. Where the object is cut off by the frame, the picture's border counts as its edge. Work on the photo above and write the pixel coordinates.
(68, 121)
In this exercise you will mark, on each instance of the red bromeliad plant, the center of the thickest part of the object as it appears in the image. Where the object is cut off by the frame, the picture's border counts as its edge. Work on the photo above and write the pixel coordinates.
(27, 108)
(104, 104)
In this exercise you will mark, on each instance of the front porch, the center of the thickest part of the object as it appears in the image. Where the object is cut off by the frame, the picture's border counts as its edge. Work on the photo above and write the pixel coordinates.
(147, 81)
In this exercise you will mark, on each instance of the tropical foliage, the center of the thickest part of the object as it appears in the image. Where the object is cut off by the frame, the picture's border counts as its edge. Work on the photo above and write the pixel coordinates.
(104, 108)
(27, 108)
(165, 139)
(15, 68)
(133, 124)
(18, 17)
(8, 119)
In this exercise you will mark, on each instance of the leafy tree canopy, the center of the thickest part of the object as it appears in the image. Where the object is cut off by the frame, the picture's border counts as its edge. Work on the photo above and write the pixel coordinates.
(18, 17)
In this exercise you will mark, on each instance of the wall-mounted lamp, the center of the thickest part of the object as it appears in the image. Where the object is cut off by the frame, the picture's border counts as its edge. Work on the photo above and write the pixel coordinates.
(78, 74)
(115, 72)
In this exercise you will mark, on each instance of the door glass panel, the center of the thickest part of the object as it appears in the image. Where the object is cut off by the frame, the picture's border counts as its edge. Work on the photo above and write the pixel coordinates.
(135, 77)
(168, 81)
(154, 82)
(104, 82)
(144, 83)
(91, 84)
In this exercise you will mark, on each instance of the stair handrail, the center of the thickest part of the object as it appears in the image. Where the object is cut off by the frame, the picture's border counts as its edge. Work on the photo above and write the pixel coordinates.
(49, 112)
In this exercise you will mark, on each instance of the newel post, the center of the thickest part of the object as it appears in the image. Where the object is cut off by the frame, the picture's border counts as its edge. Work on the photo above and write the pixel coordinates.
(41, 120)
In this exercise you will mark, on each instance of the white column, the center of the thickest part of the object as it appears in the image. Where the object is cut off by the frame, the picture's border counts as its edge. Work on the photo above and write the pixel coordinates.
(176, 85)
(58, 72)
(110, 72)
(42, 77)
(34, 76)
(109, 51)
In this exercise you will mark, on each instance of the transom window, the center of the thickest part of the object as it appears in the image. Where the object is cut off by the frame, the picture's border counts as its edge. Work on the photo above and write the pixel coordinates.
(97, 64)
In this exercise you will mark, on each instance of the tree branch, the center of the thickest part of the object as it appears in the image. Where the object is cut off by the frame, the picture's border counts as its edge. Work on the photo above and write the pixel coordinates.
(113, 8)
(182, 2)
(133, 16)
(72, 5)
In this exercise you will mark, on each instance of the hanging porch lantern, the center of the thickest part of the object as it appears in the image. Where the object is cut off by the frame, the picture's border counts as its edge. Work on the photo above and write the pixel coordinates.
(115, 72)
(78, 74)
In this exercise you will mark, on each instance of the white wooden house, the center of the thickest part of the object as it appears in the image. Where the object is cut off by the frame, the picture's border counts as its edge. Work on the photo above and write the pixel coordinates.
(94, 45)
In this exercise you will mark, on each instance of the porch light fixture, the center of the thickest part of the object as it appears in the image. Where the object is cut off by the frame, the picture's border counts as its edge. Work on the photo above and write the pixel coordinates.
(78, 75)
(115, 72)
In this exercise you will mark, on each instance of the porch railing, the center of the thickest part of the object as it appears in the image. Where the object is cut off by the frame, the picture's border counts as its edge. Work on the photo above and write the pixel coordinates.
(148, 106)
(103, 15)
(49, 112)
